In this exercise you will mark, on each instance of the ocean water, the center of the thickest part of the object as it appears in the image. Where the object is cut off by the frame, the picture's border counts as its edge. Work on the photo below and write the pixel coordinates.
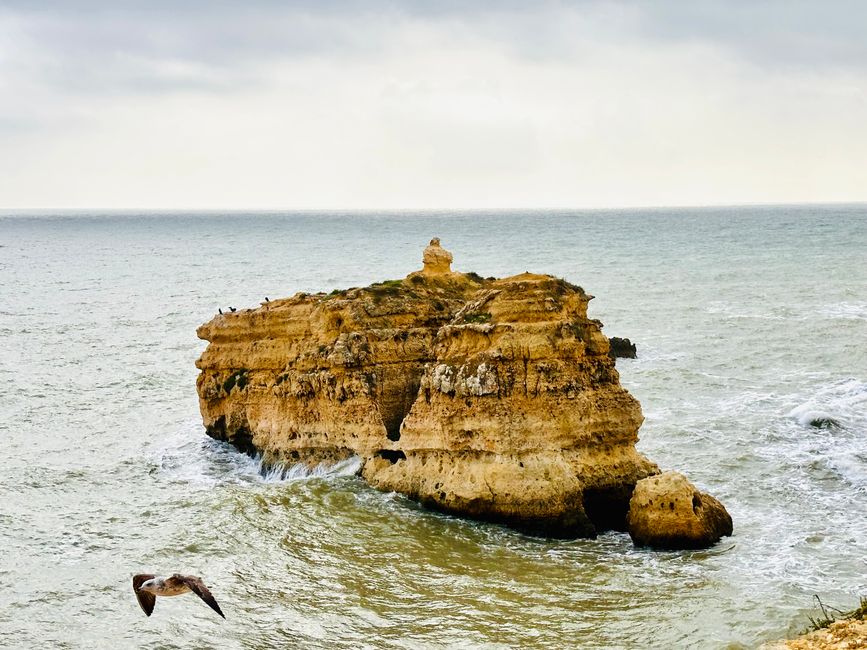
(750, 323)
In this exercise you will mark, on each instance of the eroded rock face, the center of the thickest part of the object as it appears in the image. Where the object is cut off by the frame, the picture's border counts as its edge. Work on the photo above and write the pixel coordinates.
(495, 399)
(667, 511)
(437, 260)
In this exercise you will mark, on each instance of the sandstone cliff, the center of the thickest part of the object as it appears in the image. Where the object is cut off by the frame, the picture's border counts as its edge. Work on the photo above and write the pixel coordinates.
(495, 399)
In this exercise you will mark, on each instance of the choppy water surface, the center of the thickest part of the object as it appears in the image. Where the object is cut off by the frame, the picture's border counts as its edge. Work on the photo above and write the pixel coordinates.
(750, 323)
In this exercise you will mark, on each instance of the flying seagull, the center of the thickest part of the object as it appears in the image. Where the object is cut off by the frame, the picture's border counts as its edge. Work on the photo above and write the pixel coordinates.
(147, 587)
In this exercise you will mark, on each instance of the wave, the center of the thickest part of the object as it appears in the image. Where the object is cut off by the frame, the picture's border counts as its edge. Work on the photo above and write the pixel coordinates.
(842, 310)
(733, 310)
(807, 416)
(188, 455)
(840, 403)
(851, 466)
(270, 473)
(845, 310)
(837, 413)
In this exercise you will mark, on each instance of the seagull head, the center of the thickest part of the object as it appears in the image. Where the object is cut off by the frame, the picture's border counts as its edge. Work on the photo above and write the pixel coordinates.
(148, 585)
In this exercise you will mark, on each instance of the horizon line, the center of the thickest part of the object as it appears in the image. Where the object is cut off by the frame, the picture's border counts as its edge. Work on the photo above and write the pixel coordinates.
(361, 210)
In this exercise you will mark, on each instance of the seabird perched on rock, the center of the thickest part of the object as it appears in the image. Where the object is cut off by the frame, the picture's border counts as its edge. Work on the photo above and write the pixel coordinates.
(232, 309)
(266, 299)
(220, 310)
(147, 587)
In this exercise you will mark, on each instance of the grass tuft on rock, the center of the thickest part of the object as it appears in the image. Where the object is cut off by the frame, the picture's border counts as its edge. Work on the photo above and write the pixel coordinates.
(387, 289)
(336, 293)
(388, 283)
(830, 614)
(482, 317)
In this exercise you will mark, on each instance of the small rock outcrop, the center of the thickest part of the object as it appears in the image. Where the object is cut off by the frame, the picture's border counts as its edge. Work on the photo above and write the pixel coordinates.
(667, 511)
(621, 348)
(491, 398)
(436, 259)
(846, 634)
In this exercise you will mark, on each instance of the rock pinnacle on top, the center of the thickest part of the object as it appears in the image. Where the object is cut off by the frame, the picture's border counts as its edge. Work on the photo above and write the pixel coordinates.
(437, 260)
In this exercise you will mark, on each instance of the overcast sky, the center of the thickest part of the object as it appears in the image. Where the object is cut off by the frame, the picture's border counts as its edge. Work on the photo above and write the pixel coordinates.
(319, 104)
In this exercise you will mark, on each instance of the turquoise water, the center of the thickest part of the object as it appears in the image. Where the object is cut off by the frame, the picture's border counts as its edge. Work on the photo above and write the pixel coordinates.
(749, 322)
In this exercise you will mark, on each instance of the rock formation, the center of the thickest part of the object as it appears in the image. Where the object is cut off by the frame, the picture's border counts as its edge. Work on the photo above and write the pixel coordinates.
(436, 259)
(667, 511)
(495, 399)
(846, 634)
(621, 348)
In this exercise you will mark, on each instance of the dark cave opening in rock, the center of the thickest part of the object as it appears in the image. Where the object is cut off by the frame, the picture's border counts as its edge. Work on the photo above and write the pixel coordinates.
(399, 390)
(391, 455)
(607, 507)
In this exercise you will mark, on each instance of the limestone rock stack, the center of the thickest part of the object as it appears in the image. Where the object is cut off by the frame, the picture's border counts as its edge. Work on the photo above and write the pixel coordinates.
(495, 399)
(667, 511)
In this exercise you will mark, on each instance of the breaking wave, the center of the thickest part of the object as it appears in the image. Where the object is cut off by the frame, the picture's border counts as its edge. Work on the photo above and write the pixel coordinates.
(837, 414)
(192, 457)
(838, 404)
(846, 310)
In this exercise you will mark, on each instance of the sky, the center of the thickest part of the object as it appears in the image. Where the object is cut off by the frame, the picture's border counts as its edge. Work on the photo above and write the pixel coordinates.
(388, 105)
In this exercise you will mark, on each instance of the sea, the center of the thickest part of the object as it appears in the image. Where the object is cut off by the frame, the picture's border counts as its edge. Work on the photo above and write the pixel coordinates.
(751, 328)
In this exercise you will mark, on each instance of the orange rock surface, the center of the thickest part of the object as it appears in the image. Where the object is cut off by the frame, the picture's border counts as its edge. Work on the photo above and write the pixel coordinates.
(494, 399)
(847, 634)
(667, 511)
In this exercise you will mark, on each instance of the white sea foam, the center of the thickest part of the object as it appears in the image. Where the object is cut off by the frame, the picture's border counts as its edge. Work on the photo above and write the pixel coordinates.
(851, 466)
(808, 416)
(843, 402)
(845, 310)
(190, 456)
(838, 411)
(275, 473)
(733, 310)
(842, 310)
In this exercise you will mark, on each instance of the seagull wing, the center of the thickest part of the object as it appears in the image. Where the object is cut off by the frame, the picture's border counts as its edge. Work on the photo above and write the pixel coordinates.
(146, 599)
(198, 587)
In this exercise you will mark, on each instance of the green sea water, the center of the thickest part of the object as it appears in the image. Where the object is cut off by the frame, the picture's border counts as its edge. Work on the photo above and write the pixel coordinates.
(750, 323)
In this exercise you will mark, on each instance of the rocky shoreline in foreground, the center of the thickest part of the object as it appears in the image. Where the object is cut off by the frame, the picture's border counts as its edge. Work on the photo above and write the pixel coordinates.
(845, 633)
(496, 399)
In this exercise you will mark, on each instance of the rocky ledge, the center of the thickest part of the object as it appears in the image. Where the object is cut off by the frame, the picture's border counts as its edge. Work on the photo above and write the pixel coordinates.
(846, 634)
(490, 398)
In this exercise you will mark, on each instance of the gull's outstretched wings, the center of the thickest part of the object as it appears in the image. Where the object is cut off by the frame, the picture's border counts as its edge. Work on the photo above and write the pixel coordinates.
(198, 587)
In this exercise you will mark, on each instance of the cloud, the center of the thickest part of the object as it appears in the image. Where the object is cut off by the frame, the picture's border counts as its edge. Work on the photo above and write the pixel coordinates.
(366, 104)
(156, 46)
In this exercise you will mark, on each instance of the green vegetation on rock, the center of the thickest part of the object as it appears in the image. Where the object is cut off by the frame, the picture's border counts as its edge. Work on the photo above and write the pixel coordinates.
(481, 317)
